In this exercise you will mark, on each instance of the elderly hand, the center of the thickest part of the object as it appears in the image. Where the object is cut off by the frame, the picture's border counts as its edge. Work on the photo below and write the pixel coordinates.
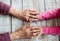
(29, 31)
(25, 15)
(26, 32)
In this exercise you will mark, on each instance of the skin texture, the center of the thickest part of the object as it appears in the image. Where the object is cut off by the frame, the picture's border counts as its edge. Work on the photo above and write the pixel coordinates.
(26, 32)
(30, 15)
(25, 15)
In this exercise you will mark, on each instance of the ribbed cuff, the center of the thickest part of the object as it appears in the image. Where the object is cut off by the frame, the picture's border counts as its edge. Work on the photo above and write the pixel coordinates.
(51, 30)
(41, 17)
(45, 31)
(6, 36)
(4, 8)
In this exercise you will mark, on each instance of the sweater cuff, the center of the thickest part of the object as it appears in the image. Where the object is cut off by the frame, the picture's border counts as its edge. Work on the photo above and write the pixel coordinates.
(4, 9)
(6, 36)
(51, 30)
(45, 30)
(41, 17)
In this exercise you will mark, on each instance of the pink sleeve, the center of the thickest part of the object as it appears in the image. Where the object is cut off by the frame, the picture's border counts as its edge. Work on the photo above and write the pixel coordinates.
(49, 14)
(51, 30)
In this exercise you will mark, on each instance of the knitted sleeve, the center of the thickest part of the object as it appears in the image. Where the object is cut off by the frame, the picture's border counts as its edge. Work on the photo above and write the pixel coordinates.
(4, 9)
(49, 14)
(5, 37)
(55, 30)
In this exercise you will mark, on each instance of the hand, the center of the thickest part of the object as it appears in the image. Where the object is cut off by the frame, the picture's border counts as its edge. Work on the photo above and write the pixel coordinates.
(26, 32)
(36, 30)
(29, 32)
(25, 15)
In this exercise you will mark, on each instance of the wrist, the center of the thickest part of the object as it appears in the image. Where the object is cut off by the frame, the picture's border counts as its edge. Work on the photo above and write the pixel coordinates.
(13, 36)
(12, 11)
(15, 12)
(20, 34)
(16, 35)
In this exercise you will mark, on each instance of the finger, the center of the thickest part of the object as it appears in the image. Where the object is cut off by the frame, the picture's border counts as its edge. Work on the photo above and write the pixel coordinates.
(36, 34)
(34, 17)
(30, 19)
(26, 16)
(26, 19)
(35, 28)
(34, 13)
(35, 31)
(32, 10)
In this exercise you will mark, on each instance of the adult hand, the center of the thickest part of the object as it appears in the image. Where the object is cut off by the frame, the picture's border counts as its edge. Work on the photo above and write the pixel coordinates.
(25, 15)
(26, 32)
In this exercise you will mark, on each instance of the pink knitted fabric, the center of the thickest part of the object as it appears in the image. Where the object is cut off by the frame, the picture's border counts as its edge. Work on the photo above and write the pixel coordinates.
(50, 14)
(55, 30)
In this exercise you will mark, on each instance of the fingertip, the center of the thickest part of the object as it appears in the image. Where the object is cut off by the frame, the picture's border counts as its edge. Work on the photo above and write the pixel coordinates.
(27, 19)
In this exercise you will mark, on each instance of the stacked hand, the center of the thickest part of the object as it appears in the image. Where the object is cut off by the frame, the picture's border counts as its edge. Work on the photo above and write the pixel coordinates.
(25, 15)
(27, 32)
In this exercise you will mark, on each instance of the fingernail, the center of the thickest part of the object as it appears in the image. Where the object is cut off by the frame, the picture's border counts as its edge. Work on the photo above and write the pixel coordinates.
(27, 19)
